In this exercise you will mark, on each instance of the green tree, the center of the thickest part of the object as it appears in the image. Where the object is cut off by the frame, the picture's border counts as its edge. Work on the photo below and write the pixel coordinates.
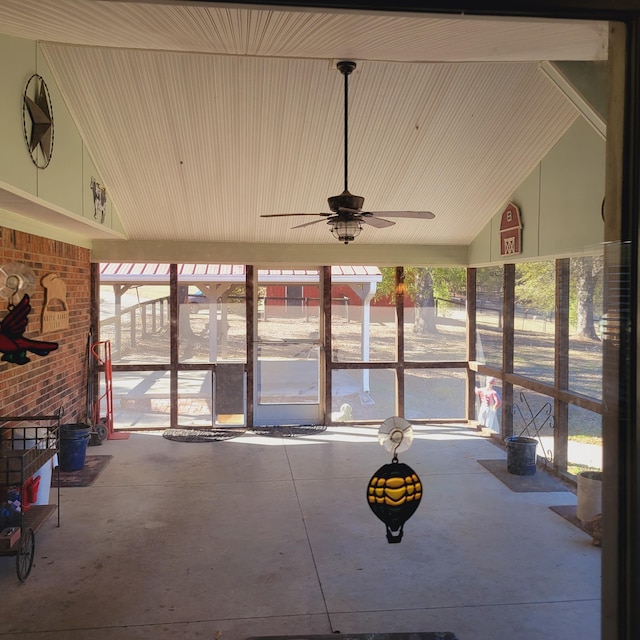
(536, 285)
(585, 281)
(424, 285)
(535, 288)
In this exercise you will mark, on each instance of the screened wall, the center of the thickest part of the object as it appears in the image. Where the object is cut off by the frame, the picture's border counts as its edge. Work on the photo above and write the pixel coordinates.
(229, 345)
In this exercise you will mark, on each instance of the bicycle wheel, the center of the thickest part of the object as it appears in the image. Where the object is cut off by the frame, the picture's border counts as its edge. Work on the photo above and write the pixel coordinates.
(26, 551)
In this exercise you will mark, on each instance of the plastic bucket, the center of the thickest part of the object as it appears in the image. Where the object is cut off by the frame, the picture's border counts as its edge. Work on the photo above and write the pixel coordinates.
(589, 495)
(521, 455)
(73, 446)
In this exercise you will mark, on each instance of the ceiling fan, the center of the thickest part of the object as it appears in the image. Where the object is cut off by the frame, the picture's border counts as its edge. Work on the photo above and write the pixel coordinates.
(347, 217)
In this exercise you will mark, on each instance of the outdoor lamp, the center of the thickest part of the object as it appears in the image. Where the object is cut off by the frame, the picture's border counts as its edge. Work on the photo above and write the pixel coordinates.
(345, 230)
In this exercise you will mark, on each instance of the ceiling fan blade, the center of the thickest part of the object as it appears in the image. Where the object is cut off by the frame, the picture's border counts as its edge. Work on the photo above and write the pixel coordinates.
(307, 224)
(378, 223)
(281, 215)
(424, 215)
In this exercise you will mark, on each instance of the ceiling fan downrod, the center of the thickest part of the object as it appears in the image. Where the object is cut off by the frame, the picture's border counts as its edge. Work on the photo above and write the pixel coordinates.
(346, 200)
(346, 67)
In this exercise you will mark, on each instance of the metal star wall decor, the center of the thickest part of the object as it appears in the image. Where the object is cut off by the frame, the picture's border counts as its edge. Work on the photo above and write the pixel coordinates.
(37, 121)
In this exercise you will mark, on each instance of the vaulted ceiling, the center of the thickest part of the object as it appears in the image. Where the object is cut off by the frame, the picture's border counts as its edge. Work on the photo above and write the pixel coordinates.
(201, 117)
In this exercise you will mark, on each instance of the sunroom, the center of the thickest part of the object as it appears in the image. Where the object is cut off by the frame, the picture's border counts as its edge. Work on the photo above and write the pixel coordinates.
(471, 118)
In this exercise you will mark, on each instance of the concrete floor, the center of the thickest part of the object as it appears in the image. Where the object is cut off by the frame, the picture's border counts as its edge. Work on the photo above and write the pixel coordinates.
(265, 536)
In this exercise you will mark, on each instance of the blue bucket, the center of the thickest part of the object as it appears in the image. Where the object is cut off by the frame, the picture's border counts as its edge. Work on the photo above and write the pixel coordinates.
(73, 446)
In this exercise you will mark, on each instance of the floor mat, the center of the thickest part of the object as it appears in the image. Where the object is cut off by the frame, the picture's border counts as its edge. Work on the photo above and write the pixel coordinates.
(85, 477)
(540, 481)
(216, 434)
(568, 512)
(203, 435)
(420, 635)
(289, 430)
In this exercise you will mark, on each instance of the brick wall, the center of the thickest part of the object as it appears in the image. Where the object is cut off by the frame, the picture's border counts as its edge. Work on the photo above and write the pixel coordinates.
(58, 379)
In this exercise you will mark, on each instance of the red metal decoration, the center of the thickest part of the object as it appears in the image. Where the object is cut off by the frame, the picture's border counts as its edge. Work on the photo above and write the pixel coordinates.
(13, 344)
(510, 231)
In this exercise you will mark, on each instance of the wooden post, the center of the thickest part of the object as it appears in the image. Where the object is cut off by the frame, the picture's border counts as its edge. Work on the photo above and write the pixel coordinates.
(251, 315)
(561, 378)
(472, 337)
(399, 300)
(326, 355)
(508, 333)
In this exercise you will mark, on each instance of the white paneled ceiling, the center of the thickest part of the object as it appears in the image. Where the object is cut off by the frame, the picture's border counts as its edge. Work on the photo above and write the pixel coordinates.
(201, 118)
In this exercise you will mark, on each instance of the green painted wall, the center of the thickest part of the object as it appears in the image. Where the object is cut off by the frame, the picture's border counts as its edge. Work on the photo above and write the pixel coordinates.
(65, 183)
(559, 203)
(60, 182)
(17, 63)
(573, 179)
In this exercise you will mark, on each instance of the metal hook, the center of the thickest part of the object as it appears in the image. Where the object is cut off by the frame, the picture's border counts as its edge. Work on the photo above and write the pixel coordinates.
(396, 436)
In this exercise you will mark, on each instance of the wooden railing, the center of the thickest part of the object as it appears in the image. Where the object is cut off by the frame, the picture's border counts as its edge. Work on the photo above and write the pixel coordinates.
(154, 316)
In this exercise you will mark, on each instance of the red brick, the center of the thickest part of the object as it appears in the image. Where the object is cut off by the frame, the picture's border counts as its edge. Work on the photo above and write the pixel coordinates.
(58, 379)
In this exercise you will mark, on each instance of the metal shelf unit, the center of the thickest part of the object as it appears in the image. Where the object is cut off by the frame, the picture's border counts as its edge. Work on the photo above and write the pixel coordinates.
(27, 443)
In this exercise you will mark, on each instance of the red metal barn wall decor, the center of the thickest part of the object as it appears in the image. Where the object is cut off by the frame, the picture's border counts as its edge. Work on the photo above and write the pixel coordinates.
(510, 231)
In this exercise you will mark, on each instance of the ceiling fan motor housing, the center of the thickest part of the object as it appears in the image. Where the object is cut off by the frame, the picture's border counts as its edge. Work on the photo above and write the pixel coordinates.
(345, 201)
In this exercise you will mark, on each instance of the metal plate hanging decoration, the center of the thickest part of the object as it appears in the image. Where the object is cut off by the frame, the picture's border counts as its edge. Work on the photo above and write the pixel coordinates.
(37, 121)
(395, 435)
(395, 490)
(16, 279)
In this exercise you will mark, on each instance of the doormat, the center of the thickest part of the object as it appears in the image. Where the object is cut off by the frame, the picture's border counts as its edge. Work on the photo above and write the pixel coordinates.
(85, 477)
(421, 635)
(592, 528)
(539, 481)
(568, 512)
(202, 435)
(287, 431)
(192, 434)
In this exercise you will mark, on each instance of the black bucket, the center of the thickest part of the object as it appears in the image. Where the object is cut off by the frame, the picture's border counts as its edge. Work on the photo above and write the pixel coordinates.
(73, 446)
(521, 455)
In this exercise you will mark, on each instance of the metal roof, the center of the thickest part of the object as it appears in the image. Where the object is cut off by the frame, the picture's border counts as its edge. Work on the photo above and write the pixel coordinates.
(122, 272)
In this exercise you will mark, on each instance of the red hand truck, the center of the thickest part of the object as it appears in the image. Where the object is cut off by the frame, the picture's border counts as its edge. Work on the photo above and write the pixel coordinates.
(104, 361)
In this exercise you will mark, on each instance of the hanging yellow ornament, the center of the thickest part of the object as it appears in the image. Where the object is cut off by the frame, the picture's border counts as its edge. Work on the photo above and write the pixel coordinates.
(395, 490)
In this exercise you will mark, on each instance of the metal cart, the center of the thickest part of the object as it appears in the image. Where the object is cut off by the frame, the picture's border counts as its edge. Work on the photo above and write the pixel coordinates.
(27, 443)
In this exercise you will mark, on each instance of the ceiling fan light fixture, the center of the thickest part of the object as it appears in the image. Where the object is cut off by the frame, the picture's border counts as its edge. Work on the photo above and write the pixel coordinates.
(345, 230)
